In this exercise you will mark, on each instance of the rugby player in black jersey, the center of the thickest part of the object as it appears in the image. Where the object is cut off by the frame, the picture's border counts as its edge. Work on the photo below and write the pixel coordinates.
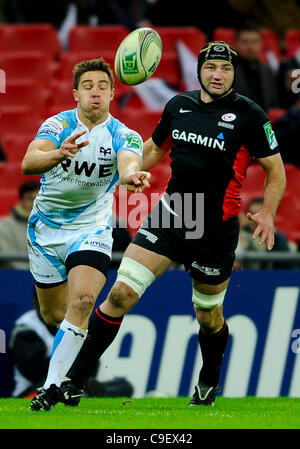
(214, 134)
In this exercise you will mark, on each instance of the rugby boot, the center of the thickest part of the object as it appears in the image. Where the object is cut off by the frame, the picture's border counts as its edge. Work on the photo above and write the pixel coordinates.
(47, 398)
(204, 395)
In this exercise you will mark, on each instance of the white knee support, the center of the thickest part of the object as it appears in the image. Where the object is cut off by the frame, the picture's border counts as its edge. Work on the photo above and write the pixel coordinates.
(208, 302)
(135, 274)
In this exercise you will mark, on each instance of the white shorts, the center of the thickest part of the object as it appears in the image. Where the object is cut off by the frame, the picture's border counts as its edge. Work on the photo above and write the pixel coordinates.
(48, 248)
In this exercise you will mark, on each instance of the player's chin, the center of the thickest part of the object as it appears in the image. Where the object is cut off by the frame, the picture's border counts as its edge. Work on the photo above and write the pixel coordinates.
(214, 92)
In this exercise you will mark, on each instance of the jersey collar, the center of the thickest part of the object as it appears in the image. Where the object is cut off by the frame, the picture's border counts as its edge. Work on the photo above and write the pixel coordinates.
(215, 104)
(101, 125)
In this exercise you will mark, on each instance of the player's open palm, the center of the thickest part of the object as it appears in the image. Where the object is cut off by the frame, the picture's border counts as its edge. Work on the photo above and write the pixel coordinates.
(69, 147)
(264, 228)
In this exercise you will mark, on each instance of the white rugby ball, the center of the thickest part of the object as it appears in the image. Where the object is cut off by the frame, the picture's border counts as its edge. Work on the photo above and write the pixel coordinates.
(138, 56)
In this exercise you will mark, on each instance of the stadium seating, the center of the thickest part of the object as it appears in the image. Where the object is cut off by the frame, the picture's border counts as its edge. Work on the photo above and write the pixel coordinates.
(169, 70)
(19, 119)
(275, 113)
(12, 177)
(270, 43)
(293, 180)
(286, 219)
(8, 198)
(26, 92)
(193, 37)
(224, 34)
(98, 38)
(141, 120)
(33, 37)
(15, 145)
(71, 58)
(34, 65)
(292, 42)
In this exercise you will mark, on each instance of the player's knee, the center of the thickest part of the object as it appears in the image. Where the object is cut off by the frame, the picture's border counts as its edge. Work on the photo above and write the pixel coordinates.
(208, 310)
(122, 296)
(83, 302)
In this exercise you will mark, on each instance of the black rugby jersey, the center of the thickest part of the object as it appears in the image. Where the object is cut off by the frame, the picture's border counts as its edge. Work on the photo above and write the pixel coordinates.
(212, 145)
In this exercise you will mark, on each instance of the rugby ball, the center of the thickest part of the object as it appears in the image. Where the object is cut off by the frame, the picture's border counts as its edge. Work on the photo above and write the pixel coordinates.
(138, 56)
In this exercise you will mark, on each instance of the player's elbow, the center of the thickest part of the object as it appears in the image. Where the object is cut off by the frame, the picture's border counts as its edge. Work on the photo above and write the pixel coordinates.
(25, 167)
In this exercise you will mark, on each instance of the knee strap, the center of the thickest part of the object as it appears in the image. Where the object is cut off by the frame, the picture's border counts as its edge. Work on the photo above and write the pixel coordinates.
(208, 302)
(135, 274)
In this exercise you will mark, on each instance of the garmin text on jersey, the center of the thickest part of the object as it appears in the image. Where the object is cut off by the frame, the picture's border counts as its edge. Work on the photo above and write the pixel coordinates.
(206, 141)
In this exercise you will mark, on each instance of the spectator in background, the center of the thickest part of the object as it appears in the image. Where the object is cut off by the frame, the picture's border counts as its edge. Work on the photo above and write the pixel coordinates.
(289, 71)
(287, 130)
(277, 15)
(13, 228)
(254, 78)
(246, 242)
(31, 343)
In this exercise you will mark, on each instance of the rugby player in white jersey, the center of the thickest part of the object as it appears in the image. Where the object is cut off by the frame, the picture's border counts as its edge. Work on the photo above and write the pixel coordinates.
(82, 155)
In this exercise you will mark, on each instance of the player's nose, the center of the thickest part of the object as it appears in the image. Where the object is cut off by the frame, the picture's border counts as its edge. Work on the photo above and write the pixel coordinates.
(217, 74)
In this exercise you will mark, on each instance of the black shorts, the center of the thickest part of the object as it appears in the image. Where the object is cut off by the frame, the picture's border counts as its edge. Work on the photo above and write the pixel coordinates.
(208, 259)
(94, 259)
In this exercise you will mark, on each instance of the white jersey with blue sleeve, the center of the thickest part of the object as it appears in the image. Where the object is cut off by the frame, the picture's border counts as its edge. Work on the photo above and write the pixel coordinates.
(79, 191)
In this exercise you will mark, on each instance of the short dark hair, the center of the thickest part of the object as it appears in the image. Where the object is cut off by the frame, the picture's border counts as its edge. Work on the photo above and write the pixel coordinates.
(29, 186)
(89, 66)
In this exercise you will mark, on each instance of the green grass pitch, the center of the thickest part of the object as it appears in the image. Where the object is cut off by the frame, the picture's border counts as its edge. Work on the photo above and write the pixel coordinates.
(155, 413)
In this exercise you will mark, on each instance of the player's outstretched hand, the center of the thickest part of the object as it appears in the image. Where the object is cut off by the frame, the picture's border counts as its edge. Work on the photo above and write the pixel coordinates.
(264, 228)
(138, 181)
(69, 147)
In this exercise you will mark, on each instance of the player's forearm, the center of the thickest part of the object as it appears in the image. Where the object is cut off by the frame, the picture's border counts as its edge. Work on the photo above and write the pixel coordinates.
(37, 162)
(151, 159)
(273, 191)
(152, 155)
(126, 170)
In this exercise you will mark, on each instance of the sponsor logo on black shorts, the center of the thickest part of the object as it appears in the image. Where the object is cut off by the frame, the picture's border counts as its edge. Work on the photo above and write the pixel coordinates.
(151, 237)
(209, 271)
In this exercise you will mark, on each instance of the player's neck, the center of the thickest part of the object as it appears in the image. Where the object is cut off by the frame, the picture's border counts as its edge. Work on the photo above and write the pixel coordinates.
(206, 98)
(90, 121)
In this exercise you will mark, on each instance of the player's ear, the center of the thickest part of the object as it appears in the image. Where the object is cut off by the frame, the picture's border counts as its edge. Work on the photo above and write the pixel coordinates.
(112, 94)
(75, 95)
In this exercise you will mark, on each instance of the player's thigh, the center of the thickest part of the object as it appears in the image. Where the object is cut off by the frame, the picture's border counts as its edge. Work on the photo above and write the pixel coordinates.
(156, 263)
(53, 303)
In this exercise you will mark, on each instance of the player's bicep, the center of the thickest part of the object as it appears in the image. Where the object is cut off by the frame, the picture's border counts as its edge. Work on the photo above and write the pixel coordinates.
(41, 145)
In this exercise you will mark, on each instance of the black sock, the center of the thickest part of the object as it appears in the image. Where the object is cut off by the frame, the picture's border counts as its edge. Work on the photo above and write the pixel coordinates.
(101, 333)
(212, 349)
